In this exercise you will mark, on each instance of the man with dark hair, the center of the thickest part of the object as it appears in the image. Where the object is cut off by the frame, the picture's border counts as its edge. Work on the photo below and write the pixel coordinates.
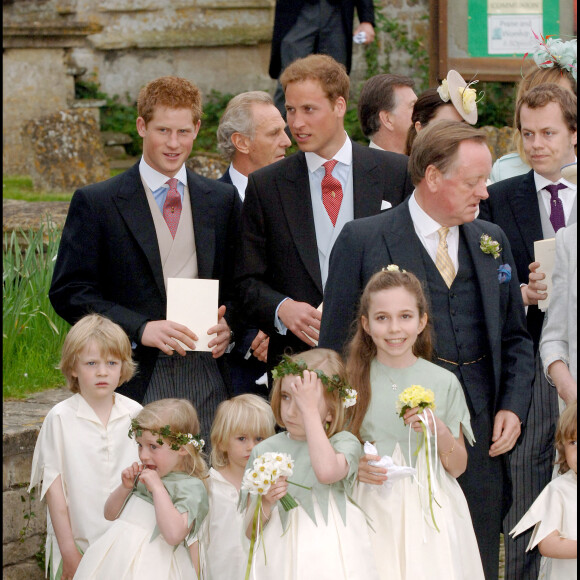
(295, 208)
(477, 313)
(250, 136)
(385, 107)
(125, 237)
(532, 207)
(304, 27)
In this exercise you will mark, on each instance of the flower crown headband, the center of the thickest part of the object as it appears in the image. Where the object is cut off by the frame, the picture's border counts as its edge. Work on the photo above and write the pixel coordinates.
(555, 52)
(289, 367)
(177, 440)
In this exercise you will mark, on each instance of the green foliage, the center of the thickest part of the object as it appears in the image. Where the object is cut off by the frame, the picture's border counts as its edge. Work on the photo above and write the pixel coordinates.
(213, 108)
(115, 115)
(32, 331)
(27, 512)
(391, 35)
(20, 187)
(498, 103)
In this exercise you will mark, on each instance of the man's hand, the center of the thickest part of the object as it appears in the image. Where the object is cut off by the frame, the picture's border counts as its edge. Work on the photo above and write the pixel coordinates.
(259, 346)
(299, 317)
(164, 334)
(222, 330)
(535, 289)
(368, 29)
(506, 430)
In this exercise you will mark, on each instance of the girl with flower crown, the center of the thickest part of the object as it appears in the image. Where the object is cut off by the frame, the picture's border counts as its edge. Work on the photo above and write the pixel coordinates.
(160, 504)
(326, 537)
(421, 518)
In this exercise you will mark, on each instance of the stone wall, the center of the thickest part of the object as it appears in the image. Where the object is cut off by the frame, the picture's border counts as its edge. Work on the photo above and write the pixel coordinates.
(23, 538)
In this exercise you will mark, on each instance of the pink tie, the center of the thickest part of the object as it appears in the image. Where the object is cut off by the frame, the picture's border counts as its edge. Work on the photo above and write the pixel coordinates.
(172, 206)
(331, 191)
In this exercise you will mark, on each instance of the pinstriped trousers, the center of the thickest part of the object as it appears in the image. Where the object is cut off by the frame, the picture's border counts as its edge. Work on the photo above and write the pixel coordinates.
(531, 464)
(195, 377)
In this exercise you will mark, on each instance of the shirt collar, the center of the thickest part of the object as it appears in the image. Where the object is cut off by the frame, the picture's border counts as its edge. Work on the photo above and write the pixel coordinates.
(239, 180)
(424, 224)
(343, 155)
(541, 181)
(156, 180)
(373, 145)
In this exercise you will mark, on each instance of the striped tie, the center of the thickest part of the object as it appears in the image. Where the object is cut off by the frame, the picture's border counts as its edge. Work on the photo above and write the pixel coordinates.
(442, 259)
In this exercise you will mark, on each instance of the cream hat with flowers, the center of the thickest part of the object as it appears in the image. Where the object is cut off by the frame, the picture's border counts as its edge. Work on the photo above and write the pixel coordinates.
(463, 97)
(569, 172)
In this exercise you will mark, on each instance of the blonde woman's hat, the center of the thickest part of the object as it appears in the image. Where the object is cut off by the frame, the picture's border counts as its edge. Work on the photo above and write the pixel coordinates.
(463, 97)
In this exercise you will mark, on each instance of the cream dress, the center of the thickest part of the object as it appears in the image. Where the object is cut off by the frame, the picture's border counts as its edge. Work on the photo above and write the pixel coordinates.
(406, 544)
(326, 537)
(554, 509)
(133, 548)
(226, 556)
(89, 458)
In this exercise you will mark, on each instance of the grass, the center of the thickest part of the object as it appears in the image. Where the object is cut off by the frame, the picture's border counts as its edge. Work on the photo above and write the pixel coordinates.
(20, 187)
(32, 331)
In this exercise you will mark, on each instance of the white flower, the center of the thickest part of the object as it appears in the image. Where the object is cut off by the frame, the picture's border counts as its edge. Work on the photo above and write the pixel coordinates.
(468, 98)
(392, 268)
(350, 398)
(443, 90)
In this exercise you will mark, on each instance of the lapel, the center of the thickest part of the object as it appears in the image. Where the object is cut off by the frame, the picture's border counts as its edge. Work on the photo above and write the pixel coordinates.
(486, 271)
(294, 189)
(404, 247)
(131, 201)
(366, 182)
(203, 214)
(524, 205)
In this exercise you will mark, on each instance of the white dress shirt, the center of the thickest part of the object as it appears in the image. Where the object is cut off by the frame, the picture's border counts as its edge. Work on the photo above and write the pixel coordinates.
(156, 182)
(239, 180)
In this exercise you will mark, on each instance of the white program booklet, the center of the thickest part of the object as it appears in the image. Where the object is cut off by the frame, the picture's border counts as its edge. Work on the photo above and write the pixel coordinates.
(545, 253)
(194, 303)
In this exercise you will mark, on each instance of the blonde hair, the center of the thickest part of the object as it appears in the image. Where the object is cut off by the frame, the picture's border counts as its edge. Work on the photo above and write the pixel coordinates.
(329, 362)
(111, 340)
(181, 417)
(245, 414)
(566, 431)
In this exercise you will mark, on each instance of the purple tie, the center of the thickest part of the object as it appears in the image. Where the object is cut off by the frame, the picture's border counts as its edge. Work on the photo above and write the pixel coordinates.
(557, 210)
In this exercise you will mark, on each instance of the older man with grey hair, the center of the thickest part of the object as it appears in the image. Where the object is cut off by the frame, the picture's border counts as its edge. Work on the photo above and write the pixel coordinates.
(250, 136)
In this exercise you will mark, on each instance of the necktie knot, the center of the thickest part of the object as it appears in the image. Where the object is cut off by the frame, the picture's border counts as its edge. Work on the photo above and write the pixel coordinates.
(443, 235)
(553, 188)
(329, 166)
(172, 183)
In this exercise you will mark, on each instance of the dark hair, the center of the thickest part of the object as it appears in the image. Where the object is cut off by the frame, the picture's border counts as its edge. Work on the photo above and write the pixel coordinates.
(424, 110)
(331, 75)
(437, 145)
(545, 94)
(362, 350)
(378, 94)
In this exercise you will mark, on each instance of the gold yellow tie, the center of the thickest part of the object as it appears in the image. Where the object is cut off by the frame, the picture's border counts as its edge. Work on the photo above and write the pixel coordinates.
(442, 259)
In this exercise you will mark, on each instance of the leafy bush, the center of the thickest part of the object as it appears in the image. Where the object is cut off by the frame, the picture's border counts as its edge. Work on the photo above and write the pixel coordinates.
(115, 115)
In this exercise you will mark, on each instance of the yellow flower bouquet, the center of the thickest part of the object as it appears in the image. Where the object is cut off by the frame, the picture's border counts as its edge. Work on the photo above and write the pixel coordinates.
(417, 396)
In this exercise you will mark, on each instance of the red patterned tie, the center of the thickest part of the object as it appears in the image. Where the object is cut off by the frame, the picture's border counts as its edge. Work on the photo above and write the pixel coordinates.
(331, 191)
(172, 206)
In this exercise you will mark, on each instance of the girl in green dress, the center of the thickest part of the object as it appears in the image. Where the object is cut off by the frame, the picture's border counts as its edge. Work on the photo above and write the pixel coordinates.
(422, 523)
(326, 537)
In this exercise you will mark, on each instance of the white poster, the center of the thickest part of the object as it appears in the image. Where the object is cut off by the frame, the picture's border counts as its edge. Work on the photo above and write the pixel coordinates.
(512, 34)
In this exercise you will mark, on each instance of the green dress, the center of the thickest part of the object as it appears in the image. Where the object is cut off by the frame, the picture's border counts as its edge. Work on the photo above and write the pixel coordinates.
(326, 537)
(406, 543)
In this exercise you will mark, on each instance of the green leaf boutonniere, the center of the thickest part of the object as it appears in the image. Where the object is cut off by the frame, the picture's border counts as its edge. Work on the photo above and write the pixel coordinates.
(489, 246)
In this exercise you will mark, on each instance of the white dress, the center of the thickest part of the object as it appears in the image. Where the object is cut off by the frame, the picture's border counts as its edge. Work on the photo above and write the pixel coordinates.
(406, 544)
(326, 537)
(89, 458)
(554, 509)
(226, 556)
(134, 549)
